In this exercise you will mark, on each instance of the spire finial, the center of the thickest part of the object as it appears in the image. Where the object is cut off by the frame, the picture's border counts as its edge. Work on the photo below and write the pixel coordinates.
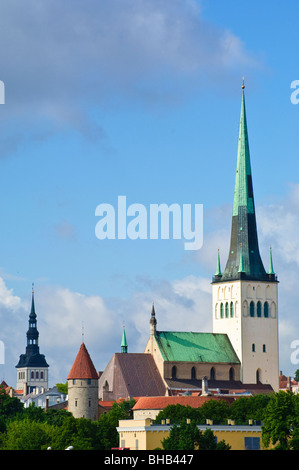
(82, 332)
(243, 86)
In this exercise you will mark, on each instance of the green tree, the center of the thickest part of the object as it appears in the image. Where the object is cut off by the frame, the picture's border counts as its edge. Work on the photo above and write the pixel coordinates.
(108, 435)
(179, 413)
(26, 435)
(62, 388)
(9, 406)
(280, 422)
(217, 410)
(297, 375)
(187, 436)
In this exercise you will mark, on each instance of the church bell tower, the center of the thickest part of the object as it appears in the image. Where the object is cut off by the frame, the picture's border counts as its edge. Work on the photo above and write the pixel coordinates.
(245, 294)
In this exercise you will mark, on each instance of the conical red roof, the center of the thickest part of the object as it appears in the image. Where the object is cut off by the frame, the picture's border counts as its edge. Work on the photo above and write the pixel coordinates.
(83, 367)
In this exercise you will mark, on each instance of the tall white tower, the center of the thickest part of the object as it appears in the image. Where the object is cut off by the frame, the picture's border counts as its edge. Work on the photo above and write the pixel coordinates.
(245, 295)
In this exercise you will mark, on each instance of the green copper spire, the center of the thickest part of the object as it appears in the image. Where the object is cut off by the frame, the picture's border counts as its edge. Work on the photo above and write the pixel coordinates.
(271, 270)
(124, 345)
(243, 196)
(218, 271)
(244, 260)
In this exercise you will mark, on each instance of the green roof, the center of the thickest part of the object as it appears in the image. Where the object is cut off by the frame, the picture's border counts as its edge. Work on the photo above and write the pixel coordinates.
(195, 347)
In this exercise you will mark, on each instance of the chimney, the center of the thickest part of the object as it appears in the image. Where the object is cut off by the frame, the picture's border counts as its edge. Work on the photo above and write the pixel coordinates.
(204, 387)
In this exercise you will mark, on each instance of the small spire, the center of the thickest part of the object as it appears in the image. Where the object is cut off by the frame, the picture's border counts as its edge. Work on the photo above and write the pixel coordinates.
(124, 345)
(271, 270)
(32, 302)
(153, 321)
(218, 271)
(243, 86)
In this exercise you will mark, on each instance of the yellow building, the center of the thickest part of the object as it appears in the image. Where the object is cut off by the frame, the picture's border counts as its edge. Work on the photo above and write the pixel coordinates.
(143, 435)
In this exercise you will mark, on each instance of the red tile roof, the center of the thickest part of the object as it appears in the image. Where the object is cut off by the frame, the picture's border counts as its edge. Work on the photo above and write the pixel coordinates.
(159, 403)
(83, 367)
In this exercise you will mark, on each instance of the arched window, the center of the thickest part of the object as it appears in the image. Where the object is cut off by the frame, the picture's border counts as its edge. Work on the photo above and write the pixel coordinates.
(258, 376)
(212, 373)
(264, 348)
(231, 374)
(231, 309)
(42, 375)
(36, 374)
(221, 311)
(173, 372)
(226, 310)
(251, 311)
(259, 309)
(253, 347)
(193, 373)
(266, 310)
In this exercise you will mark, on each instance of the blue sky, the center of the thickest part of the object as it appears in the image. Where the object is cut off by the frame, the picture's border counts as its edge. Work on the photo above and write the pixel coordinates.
(138, 98)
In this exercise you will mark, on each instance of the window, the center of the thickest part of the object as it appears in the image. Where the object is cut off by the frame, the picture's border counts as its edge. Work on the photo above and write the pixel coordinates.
(212, 373)
(193, 373)
(231, 374)
(253, 347)
(226, 310)
(252, 443)
(36, 374)
(266, 310)
(251, 312)
(231, 309)
(41, 375)
(221, 311)
(173, 372)
(259, 309)
(264, 348)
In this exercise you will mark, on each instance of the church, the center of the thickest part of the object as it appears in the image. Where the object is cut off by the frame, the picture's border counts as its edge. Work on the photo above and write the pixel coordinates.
(241, 354)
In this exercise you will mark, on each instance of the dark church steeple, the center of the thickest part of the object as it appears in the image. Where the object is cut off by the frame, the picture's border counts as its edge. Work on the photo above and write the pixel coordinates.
(32, 366)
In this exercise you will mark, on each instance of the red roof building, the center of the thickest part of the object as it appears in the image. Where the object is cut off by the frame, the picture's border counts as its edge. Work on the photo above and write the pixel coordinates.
(83, 367)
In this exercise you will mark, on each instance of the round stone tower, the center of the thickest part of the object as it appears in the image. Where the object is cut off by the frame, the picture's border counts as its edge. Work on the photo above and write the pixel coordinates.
(83, 387)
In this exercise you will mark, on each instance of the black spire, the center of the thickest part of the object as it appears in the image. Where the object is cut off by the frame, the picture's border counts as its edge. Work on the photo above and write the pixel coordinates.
(32, 356)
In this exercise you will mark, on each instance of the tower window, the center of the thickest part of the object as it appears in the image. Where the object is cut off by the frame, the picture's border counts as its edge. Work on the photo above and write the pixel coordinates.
(251, 310)
(259, 309)
(221, 311)
(193, 373)
(232, 309)
(266, 310)
(173, 372)
(226, 310)
(212, 373)
(253, 347)
(264, 348)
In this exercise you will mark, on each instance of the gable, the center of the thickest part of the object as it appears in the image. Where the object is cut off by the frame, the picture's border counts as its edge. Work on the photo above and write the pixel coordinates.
(195, 347)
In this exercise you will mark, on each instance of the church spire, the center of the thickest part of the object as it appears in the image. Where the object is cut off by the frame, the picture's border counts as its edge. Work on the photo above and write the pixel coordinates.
(124, 345)
(244, 260)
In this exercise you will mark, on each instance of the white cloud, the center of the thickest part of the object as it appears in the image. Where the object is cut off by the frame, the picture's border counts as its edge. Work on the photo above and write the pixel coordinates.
(63, 56)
